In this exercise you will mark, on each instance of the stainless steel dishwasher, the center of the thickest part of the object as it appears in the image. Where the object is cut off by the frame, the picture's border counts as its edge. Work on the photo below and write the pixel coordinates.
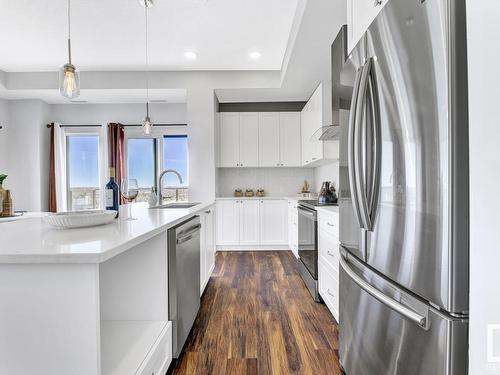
(183, 279)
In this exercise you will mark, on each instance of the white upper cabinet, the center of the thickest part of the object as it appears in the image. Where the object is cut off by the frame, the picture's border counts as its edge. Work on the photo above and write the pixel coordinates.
(269, 139)
(317, 113)
(360, 14)
(249, 222)
(249, 139)
(259, 139)
(273, 222)
(290, 141)
(229, 139)
(239, 139)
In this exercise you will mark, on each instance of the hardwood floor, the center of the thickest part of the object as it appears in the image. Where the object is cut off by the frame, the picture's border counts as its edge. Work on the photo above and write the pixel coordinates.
(257, 317)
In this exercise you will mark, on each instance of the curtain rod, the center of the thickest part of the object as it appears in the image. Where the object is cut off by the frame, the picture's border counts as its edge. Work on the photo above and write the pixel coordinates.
(95, 126)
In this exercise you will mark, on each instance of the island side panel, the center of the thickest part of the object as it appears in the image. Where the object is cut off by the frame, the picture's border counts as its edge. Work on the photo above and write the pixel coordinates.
(134, 284)
(49, 319)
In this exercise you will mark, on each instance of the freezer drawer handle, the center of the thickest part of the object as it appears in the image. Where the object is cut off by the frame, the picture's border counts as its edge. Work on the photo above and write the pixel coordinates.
(188, 235)
(389, 302)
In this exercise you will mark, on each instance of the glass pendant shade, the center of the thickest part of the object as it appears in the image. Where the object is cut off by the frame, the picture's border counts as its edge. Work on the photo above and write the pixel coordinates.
(147, 126)
(69, 81)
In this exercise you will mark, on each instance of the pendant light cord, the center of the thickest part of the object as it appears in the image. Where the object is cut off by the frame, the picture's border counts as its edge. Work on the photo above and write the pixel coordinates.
(69, 31)
(147, 54)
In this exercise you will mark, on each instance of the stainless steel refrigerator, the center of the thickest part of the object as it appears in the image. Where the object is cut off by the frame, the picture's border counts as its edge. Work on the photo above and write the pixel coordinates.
(404, 277)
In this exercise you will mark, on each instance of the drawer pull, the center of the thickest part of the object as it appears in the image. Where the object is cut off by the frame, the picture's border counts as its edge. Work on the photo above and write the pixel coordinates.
(329, 224)
(330, 293)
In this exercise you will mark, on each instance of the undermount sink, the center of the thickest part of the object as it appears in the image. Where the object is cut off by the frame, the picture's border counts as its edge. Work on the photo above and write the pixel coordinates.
(177, 205)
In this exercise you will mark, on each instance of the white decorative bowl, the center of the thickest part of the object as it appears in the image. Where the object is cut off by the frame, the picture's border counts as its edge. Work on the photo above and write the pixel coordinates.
(80, 219)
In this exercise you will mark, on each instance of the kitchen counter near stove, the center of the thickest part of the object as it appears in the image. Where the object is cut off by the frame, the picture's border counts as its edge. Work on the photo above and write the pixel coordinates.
(328, 209)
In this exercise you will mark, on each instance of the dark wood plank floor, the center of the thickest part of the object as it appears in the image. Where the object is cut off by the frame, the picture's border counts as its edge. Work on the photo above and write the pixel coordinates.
(257, 317)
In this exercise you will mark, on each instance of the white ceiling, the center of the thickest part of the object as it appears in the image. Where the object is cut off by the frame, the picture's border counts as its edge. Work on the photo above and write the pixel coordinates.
(310, 61)
(109, 35)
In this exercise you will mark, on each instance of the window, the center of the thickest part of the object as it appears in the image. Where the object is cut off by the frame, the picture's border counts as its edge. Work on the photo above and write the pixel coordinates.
(147, 157)
(82, 163)
(175, 156)
(142, 165)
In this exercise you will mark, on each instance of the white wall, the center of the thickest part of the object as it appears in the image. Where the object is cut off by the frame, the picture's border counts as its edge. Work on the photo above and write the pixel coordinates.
(327, 172)
(27, 154)
(201, 136)
(4, 122)
(93, 114)
(277, 182)
(484, 130)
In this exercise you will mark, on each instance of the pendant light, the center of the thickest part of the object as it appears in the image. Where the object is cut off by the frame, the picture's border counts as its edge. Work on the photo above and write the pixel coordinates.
(147, 125)
(69, 76)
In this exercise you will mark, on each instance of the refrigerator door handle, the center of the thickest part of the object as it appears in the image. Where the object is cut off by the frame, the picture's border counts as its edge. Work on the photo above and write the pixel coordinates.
(381, 297)
(377, 146)
(358, 154)
(350, 146)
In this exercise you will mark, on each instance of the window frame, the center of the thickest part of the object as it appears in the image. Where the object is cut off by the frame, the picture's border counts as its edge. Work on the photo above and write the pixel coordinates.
(102, 160)
(157, 133)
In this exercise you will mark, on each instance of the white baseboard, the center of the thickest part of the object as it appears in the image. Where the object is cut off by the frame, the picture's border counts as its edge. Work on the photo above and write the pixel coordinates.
(253, 248)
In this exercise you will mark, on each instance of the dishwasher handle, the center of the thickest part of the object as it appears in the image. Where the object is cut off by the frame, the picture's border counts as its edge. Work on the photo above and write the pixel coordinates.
(187, 235)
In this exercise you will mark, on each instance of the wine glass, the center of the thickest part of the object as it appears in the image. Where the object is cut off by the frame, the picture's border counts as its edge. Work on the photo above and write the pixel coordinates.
(129, 190)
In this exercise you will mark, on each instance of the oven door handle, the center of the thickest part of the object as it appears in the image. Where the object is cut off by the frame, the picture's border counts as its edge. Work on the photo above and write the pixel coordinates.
(305, 212)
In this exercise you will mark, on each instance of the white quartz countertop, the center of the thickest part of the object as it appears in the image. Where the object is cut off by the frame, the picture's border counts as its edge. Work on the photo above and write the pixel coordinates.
(32, 241)
(328, 209)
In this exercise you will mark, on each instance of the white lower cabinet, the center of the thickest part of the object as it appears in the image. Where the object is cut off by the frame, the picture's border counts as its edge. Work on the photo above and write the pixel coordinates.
(160, 356)
(328, 260)
(252, 224)
(249, 222)
(228, 222)
(207, 246)
(273, 222)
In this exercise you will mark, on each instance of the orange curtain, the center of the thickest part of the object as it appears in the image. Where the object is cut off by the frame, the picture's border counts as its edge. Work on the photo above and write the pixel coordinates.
(52, 173)
(116, 151)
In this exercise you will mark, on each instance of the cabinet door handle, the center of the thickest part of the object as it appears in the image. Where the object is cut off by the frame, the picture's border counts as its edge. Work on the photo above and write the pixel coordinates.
(330, 293)
(330, 253)
(208, 211)
(377, 3)
(329, 224)
(313, 158)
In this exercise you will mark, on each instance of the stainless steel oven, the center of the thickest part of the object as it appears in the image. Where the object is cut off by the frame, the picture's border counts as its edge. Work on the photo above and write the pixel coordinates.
(308, 248)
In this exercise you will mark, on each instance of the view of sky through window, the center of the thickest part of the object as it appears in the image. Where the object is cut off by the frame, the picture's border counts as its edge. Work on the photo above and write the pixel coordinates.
(141, 161)
(175, 156)
(83, 160)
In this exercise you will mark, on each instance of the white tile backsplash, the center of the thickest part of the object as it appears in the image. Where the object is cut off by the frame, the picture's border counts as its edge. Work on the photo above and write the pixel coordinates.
(328, 172)
(275, 181)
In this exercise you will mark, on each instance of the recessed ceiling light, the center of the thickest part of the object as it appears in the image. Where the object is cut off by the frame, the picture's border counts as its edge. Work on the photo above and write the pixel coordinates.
(190, 55)
(255, 55)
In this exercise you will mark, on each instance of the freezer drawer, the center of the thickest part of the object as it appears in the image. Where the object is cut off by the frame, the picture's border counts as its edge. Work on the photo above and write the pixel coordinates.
(386, 331)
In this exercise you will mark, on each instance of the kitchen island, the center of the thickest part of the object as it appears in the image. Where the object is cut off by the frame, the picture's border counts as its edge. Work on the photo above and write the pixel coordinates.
(89, 300)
